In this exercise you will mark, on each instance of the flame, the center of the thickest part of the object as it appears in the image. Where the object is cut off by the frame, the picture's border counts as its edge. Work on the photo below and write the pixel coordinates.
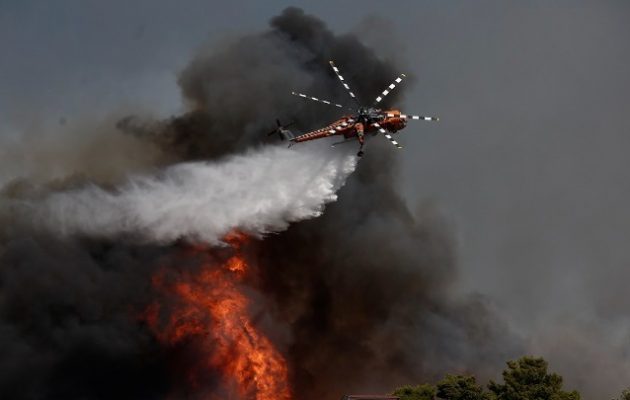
(210, 307)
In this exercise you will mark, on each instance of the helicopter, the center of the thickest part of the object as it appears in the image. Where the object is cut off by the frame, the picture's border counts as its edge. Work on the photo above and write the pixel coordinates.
(363, 121)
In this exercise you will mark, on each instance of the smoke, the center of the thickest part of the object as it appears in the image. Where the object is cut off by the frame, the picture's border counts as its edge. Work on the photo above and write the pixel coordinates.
(237, 89)
(81, 149)
(67, 321)
(360, 297)
(370, 302)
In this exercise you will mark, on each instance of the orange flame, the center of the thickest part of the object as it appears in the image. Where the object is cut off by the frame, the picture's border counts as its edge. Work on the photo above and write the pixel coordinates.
(210, 306)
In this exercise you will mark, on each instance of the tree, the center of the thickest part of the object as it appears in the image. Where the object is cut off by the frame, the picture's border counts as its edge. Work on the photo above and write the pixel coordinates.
(527, 379)
(459, 387)
(625, 395)
(420, 392)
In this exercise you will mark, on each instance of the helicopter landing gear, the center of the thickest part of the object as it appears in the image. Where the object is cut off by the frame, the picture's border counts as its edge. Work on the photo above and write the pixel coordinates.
(361, 137)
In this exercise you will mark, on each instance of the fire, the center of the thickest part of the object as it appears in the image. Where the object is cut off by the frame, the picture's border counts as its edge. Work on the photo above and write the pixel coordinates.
(210, 306)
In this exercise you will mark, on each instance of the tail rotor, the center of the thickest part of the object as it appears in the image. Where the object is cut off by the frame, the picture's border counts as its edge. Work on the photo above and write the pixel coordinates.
(282, 131)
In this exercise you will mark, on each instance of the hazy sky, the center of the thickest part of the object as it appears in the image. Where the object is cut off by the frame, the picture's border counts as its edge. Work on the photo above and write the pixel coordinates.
(529, 160)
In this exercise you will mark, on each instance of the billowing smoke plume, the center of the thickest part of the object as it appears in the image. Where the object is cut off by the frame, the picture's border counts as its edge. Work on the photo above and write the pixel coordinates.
(359, 298)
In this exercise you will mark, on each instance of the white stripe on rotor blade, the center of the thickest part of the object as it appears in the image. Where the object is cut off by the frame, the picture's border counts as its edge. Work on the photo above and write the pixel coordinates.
(390, 88)
(380, 129)
(317, 99)
(345, 85)
(395, 143)
(404, 116)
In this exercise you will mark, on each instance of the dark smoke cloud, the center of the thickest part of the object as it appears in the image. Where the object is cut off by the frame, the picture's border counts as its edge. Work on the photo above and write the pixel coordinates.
(238, 89)
(364, 291)
(367, 291)
(66, 327)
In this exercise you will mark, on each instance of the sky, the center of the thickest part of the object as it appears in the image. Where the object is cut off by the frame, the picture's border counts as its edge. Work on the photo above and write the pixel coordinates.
(528, 162)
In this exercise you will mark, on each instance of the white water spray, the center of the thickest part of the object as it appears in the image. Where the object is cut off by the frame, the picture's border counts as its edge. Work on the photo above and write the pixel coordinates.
(261, 191)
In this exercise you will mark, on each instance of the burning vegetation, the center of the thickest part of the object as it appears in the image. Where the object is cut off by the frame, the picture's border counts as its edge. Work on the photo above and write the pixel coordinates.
(209, 308)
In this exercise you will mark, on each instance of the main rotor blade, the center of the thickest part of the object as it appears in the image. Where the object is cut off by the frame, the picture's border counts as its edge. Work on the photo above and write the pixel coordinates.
(390, 88)
(387, 135)
(343, 82)
(419, 117)
(316, 99)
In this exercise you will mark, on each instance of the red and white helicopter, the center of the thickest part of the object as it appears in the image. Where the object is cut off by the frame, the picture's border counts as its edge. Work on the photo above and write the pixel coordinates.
(364, 120)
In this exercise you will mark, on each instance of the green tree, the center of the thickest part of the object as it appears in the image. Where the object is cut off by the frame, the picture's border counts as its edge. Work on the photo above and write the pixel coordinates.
(527, 379)
(625, 395)
(420, 392)
(459, 387)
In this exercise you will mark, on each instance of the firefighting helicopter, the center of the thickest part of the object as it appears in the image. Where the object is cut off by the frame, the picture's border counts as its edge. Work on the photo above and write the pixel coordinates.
(363, 121)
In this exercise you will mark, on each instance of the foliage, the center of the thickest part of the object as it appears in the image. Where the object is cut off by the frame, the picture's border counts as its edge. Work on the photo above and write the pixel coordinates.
(420, 392)
(523, 379)
(625, 395)
(527, 379)
(458, 387)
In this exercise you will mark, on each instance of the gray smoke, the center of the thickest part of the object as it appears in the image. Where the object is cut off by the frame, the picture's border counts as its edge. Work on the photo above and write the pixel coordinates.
(536, 185)
(79, 150)
(361, 298)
